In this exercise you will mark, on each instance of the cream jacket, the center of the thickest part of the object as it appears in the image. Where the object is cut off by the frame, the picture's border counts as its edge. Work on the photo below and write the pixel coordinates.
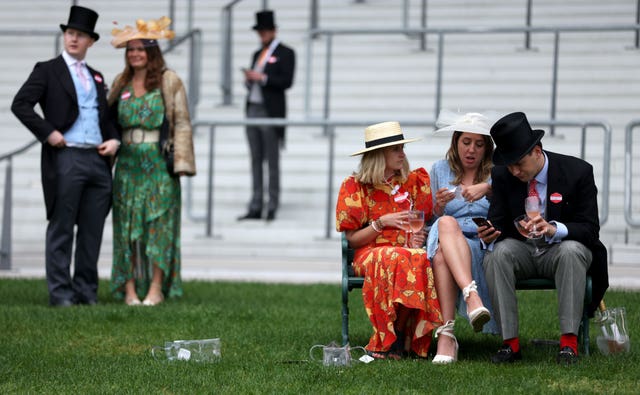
(177, 112)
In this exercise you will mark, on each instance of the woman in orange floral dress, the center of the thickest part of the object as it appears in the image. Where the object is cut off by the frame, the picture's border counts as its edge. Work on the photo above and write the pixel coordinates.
(372, 210)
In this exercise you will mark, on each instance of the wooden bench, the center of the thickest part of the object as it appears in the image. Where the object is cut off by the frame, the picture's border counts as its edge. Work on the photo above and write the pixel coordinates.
(351, 281)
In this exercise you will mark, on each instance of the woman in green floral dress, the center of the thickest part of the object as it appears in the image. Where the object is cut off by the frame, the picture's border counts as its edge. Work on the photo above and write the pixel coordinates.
(146, 197)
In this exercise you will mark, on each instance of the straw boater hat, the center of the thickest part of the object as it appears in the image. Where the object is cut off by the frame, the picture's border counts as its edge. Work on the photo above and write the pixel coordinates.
(383, 135)
(82, 19)
(471, 122)
(150, 31)
(514, 138)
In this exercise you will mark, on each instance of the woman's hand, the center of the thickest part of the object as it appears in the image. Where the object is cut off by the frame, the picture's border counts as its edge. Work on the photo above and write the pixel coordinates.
(476, 192)
(399, 220)
(443, 196)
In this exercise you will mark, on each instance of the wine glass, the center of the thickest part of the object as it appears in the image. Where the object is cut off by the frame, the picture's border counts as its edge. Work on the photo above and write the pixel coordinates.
(416, 222)
(532, 234)
(532, 206)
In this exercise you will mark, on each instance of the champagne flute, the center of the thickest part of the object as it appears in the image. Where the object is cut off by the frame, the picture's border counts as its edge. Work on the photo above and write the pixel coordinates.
(416, 222)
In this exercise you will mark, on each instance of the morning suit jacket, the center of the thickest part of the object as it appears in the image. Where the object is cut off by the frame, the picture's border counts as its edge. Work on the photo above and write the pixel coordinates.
(574, 203)
(279, 69)
(50, 84)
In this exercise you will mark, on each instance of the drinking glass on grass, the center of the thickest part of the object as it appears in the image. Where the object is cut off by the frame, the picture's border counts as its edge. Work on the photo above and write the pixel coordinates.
(416, 222)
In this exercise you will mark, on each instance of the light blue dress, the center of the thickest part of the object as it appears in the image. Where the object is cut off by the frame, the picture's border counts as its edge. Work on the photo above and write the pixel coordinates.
(463, 211)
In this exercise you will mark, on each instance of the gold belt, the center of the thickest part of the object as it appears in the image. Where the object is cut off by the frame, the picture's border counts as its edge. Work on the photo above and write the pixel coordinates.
(138, 135)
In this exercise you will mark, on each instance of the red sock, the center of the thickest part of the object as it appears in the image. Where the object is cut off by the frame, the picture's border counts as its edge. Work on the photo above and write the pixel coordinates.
(514, 343)
(569, 340)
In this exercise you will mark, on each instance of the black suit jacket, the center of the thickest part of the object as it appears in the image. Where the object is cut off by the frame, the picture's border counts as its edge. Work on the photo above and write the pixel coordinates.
(50, 85)
(572, 179)
(279, 69)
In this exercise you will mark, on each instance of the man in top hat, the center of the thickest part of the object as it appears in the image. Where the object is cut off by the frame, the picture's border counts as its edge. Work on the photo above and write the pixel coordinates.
(79, 141)
(570, 246)
(271, 73)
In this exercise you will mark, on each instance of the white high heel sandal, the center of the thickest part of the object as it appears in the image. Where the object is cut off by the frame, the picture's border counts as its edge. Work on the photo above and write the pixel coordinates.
(446, 330)
(479, 316)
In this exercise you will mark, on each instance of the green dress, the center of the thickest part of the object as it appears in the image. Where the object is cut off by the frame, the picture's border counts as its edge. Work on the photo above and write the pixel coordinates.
(146, 203)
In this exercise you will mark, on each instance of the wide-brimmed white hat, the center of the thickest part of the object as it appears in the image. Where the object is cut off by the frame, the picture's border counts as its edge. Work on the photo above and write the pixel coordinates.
(471, 122)
(382, 135)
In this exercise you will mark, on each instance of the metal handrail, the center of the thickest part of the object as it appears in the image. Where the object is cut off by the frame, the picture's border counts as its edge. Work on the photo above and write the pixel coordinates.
(441, 33)
(195, 65)
(628, 174)
(330, 126)
(7, 206)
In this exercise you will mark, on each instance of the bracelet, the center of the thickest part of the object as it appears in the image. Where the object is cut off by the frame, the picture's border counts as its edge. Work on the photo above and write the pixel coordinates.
(376, 225)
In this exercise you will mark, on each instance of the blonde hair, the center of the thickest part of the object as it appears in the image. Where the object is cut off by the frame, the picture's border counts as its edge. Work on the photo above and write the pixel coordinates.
(484, 171)
(373, 165)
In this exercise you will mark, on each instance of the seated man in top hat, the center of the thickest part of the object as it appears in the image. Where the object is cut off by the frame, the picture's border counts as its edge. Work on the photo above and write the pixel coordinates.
(568, 220)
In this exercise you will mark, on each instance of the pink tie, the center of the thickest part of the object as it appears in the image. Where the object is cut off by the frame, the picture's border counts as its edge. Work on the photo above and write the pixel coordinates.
(532, 188)
(83, 78)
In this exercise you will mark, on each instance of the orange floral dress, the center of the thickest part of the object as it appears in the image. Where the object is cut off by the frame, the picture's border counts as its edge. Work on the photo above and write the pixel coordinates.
(392, 274)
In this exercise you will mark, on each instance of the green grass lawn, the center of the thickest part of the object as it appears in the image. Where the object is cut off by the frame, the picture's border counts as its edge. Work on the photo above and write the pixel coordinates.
(266, 333)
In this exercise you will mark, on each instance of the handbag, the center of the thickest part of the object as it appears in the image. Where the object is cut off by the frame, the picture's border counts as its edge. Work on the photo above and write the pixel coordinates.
(166, 146)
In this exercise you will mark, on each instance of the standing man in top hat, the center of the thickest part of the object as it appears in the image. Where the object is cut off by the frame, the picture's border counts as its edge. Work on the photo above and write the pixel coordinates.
(570, 246)
(271, 73)
(79, 141)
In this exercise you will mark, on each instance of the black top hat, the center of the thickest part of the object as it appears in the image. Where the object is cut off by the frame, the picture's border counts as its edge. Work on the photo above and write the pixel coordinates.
(264, 21)
(514, 138)
(83, 19)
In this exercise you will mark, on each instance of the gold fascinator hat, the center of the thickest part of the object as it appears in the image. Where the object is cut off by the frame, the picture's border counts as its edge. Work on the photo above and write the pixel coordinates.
(153, 29)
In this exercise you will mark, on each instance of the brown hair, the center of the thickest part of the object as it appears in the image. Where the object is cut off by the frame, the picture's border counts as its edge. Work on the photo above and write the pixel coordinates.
(455, 163)
(155, 67)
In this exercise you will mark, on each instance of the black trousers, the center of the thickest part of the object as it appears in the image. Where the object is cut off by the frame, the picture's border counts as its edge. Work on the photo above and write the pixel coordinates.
(264, 146)
(83, 200)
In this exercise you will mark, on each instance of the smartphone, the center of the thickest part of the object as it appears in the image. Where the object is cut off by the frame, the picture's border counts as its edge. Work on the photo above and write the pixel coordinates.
(481, 221)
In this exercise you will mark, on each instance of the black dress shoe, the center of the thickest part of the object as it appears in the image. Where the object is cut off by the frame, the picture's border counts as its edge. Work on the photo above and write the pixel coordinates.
(62, 303)
(271, 215)
(89, 301)
(505, 355)
(567, 356)
(250, 215)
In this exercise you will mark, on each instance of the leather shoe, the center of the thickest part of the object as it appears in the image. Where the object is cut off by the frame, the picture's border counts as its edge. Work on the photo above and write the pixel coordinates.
(62, 303)
(271, 215)
(505, 355)
(567, 356)
(250, 215)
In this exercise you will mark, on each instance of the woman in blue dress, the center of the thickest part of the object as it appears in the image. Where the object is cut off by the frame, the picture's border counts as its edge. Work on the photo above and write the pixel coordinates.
(460, 185)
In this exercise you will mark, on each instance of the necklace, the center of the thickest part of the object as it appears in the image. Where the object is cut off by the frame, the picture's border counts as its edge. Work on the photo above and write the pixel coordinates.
(394, 188)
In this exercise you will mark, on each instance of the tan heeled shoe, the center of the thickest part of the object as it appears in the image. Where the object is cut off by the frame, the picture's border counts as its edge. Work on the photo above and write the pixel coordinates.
(446, 330)
(154, 296)
(479, 316)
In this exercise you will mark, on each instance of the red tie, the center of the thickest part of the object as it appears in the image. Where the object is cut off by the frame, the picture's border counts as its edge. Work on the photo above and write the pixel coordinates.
(532, 188)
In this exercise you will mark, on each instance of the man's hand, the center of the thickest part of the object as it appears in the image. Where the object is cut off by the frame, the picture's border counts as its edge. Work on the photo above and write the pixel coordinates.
(488, 234)
(252, 76)
(547, 229)
(109, 147)
(56, 139)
